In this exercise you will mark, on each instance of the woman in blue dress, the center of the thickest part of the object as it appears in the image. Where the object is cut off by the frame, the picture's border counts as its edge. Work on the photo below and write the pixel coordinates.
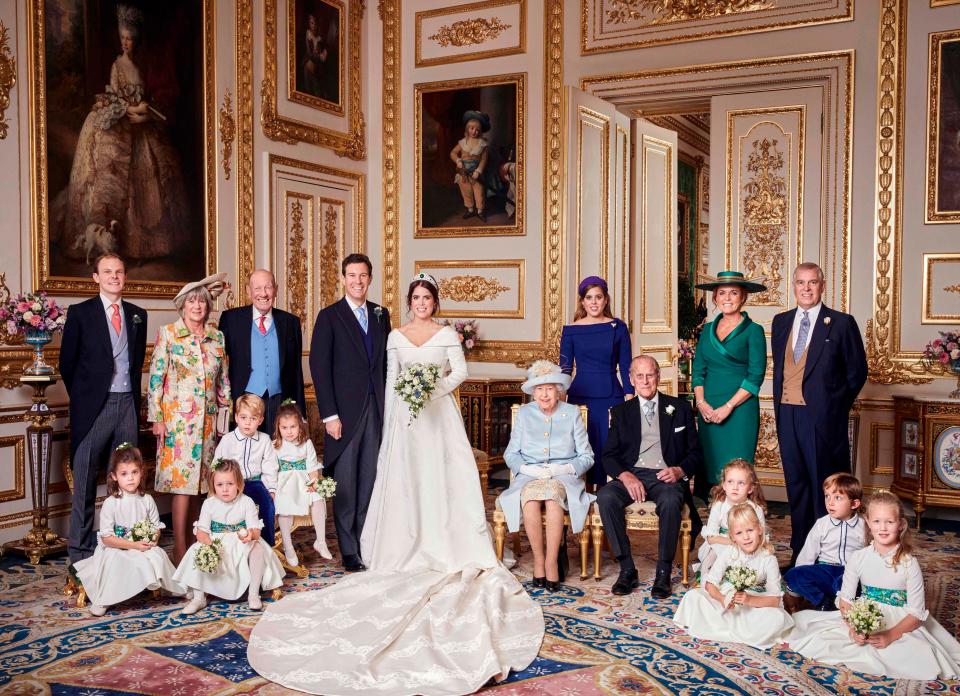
(592, 348)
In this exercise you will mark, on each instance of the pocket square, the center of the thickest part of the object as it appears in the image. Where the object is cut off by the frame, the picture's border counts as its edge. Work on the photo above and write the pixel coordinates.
(682, 427)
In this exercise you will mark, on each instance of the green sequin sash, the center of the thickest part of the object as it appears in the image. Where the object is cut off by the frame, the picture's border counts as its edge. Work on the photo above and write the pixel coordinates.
(221, 528)
(293, 465)
(895, 598)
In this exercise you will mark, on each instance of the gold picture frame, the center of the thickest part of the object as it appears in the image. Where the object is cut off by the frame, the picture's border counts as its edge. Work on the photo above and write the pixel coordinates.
(476, 287)
(46, 254)
(943, 192)
(321, 49)
(484, 26)
(347, 143)
(440, 110)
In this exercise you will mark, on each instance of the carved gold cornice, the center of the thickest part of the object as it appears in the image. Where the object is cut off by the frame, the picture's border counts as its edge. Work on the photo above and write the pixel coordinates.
(469, 32)
(628, 11)
(350, 143)
(892, 56)
(471, 288)
(8, 77)
(228, 131)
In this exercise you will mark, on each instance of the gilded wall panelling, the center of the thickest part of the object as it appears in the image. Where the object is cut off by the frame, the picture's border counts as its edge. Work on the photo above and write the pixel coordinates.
(244, 57)
(43, 203)
(620, 25)
(665, 359)
(941, 289)
(349, 142)
(767, 458)
(17, 467)
(471, 31)
(299, 216)
(875, 448)
(8, 77)
(332, 249)
(389, 11)
(473, 288)
(656, 175)
(620, 276)
(592, 192)
(943, 3)
(228, 132)
(943, 201)
(764, 197)
(431, 154)
(885, 363)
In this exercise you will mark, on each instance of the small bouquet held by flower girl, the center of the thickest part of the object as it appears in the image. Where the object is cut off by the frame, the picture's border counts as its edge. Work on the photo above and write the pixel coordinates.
(864, 616)
(207, 557)
(324, 486)
(740, 578)
(415, 385)
(144, 530)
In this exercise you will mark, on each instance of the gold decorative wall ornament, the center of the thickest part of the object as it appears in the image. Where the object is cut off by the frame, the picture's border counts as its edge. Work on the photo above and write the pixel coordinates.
(952, 288)
(297, 259)
(881, 366)
(350, 143)
(768, 446)
(330, 254)
(228, 131)
(765, 219)
(662, 11)
(8, 77)
(471, 288)
(245, 243)
(390, 15)
(469, 32)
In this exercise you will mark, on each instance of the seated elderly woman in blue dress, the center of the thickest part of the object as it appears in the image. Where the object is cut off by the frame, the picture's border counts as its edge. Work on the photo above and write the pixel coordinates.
(549, 453)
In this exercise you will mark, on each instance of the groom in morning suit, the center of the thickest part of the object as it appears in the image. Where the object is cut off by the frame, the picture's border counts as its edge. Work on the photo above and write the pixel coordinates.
(348, 361)
(652, 450)
(819, 367)
(101, 358)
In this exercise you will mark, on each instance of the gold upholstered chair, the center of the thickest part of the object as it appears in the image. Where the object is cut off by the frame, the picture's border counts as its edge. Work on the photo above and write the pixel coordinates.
(500, 520)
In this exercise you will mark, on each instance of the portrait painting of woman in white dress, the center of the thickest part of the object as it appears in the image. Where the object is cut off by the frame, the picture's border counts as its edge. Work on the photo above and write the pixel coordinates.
(436, 613)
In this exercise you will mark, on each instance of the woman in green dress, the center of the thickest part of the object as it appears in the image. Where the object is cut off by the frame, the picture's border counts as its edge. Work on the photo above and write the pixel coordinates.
(728, 369)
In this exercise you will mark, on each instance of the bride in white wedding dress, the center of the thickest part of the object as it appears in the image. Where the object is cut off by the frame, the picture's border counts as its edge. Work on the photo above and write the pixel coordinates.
(436, 613)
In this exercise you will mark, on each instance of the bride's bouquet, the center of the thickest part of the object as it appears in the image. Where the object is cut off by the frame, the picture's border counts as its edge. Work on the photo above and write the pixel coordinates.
(415, 385)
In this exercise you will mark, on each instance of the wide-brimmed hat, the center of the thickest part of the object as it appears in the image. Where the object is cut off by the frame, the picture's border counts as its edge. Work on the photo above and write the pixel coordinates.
(215, 284)
(478, 116)
(733, 278)
(544, 372)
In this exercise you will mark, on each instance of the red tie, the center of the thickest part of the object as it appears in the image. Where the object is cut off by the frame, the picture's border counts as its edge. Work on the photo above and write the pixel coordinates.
(263, 328)
(115, 319)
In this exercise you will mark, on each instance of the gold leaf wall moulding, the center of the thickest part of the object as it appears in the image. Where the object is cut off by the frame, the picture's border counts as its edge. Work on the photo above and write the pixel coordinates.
(767, 457)
(245, 233)
(471, 288)
(946, 311)
(469, 32)
(297, 255)
(662, 11)
(458, 32)
(8, 77)
(390, 103)
(952, 288)
(766, 215)
(228, 131)
(943, 201)
(330, 253)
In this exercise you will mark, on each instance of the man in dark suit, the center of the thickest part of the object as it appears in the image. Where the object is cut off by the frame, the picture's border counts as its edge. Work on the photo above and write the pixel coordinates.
(101, 360)
(652, 451)
(264, 345)
(349, 367)
(819, 367)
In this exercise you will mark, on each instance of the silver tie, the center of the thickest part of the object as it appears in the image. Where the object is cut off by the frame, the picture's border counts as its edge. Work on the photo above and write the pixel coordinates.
(801, 337)
(648, 412)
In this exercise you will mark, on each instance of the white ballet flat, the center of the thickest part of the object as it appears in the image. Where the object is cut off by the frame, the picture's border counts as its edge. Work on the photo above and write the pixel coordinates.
(254, 602)
(98, 609)
(321, 548)
(194, 605)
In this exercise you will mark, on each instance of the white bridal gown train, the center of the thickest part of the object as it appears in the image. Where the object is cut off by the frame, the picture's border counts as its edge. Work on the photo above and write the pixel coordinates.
(436, 613)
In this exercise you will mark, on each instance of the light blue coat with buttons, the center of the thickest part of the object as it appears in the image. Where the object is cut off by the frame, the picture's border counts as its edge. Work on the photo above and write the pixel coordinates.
(560, 438)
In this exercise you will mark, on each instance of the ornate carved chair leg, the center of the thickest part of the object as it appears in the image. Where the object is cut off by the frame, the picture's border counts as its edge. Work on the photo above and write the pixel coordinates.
(584, 540)
(70, 588)
(81, 599)
(597, 536)
(685, 557)
(277, 593)
(499, 536)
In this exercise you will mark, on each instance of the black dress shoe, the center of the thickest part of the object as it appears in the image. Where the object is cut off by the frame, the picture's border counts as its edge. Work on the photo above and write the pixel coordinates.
(353, 564)
(539, 582)
(662, 588)
(553, 585)
(626, 583)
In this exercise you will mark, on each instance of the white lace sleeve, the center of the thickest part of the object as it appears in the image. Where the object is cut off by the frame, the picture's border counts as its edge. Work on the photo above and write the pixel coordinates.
(458, 372)
(389, 395)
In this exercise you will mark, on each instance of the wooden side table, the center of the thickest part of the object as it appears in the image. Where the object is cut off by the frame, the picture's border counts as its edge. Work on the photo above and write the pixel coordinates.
(927, 450)
(485, 406)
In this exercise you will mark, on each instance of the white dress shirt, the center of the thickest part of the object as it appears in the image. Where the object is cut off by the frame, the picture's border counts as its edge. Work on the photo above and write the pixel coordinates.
(812, 314)
(255, 454)
(832, 541)
(267, 319)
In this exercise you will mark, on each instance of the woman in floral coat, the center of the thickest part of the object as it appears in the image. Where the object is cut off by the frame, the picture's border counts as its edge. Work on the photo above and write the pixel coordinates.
(188, 385)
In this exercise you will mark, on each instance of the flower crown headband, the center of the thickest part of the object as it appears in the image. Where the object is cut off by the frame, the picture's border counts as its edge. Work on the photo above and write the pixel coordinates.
(123, 446)
(426, 277)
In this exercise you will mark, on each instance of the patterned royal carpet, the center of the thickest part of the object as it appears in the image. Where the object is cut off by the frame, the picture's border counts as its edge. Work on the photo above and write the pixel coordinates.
(595, 644)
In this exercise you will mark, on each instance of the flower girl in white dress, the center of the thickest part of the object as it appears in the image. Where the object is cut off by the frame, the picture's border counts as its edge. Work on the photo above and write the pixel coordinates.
(738, 484)
(246, 561)
(121, 567)
(911, 644)
(299, 470)
(719, 611)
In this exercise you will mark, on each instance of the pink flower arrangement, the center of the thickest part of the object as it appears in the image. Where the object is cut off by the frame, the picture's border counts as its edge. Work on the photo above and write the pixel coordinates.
(944, 350)
(467, 331)
(32, 311)
(684, 350)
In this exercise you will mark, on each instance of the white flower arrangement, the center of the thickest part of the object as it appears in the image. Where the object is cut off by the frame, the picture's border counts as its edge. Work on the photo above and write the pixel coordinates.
(864, 616)
(670, 409)
(415, 385)
(324, 486)
(740, 577)
(207, 557)
(144, 530)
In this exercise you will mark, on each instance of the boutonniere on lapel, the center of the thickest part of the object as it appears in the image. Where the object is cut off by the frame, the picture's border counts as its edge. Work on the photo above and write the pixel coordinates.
(136, 319)
(669, 410)
(377, 311)
(826, 321)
